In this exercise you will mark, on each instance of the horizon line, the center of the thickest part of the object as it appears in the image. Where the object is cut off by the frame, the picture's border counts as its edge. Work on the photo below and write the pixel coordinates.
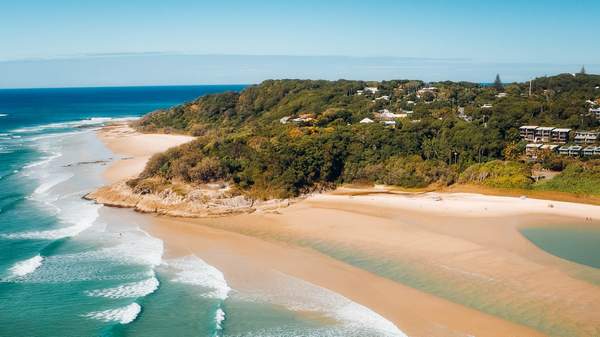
(272, 79)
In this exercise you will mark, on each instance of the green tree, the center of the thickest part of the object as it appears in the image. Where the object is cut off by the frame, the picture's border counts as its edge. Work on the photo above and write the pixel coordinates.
(498, 83)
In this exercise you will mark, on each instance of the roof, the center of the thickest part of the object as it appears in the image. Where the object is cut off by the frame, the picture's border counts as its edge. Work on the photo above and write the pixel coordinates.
(562, 130)
(532, 145)
(545, 128)
(529, 127)
(366, 120)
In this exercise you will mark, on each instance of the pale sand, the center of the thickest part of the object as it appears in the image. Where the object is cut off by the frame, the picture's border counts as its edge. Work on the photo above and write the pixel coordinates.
(468, 243)
(135, 149)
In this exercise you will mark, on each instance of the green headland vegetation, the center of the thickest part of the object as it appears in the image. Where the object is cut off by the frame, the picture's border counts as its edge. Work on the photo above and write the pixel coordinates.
(282, 138)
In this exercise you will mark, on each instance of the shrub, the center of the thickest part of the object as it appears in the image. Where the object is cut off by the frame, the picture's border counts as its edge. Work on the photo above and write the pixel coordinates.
(503, 174)
(577, 177)
(206, 170)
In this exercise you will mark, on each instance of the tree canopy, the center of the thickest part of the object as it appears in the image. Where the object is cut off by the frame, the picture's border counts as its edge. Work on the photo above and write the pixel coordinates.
(286, 137)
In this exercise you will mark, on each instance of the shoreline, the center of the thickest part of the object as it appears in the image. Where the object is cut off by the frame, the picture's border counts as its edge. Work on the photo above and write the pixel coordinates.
(406, 227)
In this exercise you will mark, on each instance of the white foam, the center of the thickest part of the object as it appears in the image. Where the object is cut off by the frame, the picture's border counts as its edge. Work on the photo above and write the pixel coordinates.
(123, 315)
(48, 184)
(72, 124)
(219, 318)
(128, 290)
(44, 161)
(193, 270)
(3, 115)
(133, 248)
(300, 295)
(26, 267)
(81, 217)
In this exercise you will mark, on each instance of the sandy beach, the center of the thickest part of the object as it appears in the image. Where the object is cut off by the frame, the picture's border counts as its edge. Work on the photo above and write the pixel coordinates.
(435, 264)
(134, 148)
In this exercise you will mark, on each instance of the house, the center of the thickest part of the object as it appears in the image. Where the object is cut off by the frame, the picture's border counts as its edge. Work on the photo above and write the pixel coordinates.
(527, 132)
(284, 120)
(384, 97)
(371, 90)
(410, 103)
(560, 135)
(595, 111)
(366, 121)
(586, 137)
(432, 90)
(385, 114)
(360, 92)
(591, 151)
(549, 148)
(532, 150)
(543, 134)
(304, 118)
(463, 116)
(487, 106)
(502, 95)
(573, 150)
(390, 123)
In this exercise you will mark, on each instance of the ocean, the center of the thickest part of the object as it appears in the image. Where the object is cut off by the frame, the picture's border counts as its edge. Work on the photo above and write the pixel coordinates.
(70, 267)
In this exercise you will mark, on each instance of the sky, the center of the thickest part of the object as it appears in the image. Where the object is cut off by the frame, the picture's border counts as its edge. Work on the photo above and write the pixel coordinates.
(79, 43)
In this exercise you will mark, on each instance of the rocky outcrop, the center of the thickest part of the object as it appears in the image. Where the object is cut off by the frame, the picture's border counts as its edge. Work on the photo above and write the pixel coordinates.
(205, 201)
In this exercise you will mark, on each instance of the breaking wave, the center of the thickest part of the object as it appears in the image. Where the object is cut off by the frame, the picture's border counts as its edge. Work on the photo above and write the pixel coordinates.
(194, 271)
(81, 220)
(306, 296)
(128, 290)
(123, 315)
(25, 267)
(90, 122)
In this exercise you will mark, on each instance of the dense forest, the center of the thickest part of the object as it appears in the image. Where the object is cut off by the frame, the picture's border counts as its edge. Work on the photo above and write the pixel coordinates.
(283, 138)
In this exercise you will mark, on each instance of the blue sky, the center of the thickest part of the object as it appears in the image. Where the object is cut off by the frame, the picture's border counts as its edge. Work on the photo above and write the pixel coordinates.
(68, 37)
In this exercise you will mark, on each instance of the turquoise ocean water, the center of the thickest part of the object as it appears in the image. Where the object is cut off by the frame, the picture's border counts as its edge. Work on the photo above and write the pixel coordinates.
(69, 267)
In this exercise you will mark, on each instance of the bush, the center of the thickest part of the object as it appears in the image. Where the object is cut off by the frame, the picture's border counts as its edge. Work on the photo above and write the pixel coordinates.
(577, 177)
(502, 174)
(207, 170)
(413, 171)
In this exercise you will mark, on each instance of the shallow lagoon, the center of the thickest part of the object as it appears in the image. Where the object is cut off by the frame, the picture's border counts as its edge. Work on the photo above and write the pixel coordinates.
(576, 244)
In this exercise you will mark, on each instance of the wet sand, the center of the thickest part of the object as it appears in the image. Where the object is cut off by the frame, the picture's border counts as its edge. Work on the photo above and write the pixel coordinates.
(436, 264)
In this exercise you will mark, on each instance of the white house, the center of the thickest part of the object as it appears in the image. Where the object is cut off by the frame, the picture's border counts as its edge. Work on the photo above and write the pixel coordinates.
(384, 97)
(366, 121)
(386, 114)
(284, 120)
(372, 90)
(502, 95)
(487, 106)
